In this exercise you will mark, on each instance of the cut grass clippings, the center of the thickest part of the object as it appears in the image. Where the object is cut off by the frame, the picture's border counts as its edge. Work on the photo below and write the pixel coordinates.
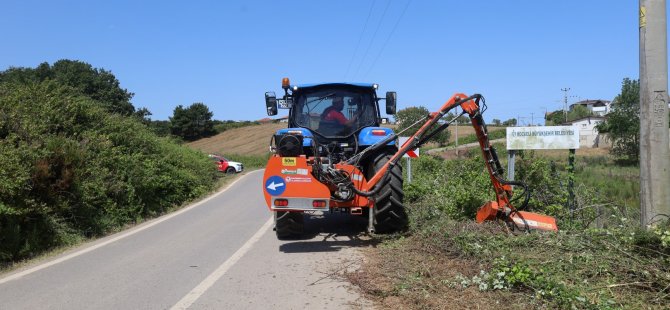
(599, 260)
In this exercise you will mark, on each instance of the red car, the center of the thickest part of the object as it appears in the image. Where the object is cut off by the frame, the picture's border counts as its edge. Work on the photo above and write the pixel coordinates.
(225, 165)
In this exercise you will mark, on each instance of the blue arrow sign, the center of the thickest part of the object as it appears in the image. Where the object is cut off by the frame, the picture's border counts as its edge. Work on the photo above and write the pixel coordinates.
(275, 185)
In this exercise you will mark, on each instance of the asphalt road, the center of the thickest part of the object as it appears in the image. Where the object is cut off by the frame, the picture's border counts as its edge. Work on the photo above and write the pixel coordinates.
(220, 253)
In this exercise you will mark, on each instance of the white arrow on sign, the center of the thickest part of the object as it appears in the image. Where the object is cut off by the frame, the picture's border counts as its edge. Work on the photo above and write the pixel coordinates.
(273, 186)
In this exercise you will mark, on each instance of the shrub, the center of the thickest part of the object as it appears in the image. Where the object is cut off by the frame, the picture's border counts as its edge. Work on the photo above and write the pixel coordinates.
(72, 170)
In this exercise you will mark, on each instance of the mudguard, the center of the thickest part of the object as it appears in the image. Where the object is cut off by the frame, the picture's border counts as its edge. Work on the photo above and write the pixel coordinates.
(371, 135)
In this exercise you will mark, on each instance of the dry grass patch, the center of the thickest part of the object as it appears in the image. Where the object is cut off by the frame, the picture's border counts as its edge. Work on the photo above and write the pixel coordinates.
(250, 140)
(406, 274)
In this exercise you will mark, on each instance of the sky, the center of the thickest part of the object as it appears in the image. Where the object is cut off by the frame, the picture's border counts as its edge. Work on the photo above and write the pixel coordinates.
(227, 54)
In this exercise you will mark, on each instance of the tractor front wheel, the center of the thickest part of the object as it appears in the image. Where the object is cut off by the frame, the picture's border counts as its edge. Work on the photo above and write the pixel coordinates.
(390, 213)
(288, 224)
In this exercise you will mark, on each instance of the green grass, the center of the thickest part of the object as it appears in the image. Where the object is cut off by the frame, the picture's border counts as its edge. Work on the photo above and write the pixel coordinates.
(493, 135)
(620, 183)
(249, 161)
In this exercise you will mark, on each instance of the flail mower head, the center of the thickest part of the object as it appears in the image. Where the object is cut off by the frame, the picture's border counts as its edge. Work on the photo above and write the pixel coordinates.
(516, 220)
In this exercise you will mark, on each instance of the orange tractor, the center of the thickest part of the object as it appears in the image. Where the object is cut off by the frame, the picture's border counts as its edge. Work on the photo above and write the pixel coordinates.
(335, 156)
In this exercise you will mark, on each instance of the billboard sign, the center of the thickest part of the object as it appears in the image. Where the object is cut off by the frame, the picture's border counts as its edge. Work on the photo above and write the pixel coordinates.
(542, 138)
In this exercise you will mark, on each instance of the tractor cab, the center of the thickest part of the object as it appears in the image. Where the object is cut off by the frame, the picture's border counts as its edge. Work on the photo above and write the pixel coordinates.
(334, 111)
(333, 114)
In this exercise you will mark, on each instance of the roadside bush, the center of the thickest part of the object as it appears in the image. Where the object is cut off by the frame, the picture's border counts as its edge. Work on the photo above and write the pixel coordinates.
(71, 170)
(457, 188)
(599, 259)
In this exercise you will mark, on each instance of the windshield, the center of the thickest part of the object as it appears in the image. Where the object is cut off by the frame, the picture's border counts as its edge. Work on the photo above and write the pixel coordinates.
(334, 112)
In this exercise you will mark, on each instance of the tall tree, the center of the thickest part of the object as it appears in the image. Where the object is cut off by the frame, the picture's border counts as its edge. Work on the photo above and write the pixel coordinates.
(555, 118)
(192, 123)
(97, 84)
(408, 116)
(622, 125)
(509, 122)
(579, 111)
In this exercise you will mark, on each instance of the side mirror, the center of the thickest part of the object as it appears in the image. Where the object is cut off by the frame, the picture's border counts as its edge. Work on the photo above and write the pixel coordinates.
(271, 103)
(390, 102)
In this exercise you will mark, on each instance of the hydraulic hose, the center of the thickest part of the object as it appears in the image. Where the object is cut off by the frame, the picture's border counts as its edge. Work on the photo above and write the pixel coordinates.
(526, 193)
(374, 189)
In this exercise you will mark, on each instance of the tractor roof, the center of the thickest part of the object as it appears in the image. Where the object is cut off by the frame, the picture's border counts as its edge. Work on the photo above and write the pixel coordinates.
(370, 85)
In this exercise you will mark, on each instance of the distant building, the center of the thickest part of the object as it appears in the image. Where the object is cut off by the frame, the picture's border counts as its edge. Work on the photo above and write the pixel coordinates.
(265, 120)
(588, 134)
(283, 119)
(597, 107)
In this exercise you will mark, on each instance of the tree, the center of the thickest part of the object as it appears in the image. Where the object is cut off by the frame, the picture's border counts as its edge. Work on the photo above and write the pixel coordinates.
(408, 116)
(97, 84)
(160, 127)
(143, 115)
(555, 118)
(510, 122)
(192, 123)
(577, 112)
(558, 117)
(622, 125)
(496, 122)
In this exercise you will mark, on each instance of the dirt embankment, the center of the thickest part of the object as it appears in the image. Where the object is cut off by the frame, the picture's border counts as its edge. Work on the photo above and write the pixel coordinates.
(255, 140)
(250, 140)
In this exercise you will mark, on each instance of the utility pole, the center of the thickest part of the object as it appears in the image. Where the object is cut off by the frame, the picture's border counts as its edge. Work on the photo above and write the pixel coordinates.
(654, 145)
(565, 102)
(532, 121)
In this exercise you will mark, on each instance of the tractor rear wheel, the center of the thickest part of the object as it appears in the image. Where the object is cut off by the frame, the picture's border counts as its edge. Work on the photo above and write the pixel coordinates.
(288, 224)
(390, 213)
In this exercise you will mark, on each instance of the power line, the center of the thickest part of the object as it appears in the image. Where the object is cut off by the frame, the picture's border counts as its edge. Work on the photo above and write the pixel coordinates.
(388, 38)
(373, 38)
(360, 38)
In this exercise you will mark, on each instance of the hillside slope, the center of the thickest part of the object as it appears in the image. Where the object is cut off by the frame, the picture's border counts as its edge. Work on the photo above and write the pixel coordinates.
(251, 140)
(255, 140)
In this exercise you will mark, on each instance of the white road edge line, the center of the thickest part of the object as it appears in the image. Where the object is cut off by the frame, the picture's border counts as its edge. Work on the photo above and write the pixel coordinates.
(196, 292)
(119, 237)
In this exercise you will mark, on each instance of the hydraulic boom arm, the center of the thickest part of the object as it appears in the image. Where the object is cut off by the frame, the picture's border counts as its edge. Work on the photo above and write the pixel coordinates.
(501, 208)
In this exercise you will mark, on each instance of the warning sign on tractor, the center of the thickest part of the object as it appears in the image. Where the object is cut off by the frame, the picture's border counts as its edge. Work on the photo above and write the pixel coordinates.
(289, 161)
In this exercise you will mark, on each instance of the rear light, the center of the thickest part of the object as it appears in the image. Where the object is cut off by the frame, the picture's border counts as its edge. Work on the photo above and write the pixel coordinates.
(378, 132)
(319, 204)
(281, 203)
